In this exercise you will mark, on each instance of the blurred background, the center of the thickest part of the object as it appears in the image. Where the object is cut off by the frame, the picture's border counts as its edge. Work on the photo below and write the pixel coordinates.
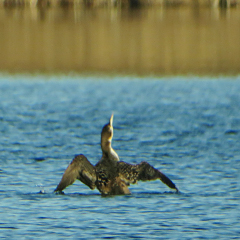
(159, 37)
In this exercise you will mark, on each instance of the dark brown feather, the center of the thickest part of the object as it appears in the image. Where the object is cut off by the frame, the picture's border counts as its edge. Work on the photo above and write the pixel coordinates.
(142, 172)
(80, 168)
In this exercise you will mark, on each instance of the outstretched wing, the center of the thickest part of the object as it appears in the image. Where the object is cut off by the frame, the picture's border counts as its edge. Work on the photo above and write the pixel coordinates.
(142, 172)
(80, 168)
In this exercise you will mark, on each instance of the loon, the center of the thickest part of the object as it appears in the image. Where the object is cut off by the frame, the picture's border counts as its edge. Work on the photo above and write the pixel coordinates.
(110, 175)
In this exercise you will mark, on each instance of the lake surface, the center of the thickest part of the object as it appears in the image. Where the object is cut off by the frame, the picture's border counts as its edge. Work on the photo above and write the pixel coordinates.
(189, 128)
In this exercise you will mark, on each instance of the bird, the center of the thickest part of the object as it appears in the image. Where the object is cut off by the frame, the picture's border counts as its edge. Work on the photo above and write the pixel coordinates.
(110, 175)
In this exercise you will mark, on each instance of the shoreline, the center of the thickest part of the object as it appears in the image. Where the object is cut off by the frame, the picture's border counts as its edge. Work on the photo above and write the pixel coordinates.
(120, 3)
(151, 40)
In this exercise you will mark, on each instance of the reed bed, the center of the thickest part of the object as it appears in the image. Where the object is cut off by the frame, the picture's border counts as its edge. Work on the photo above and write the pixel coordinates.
(120, 3)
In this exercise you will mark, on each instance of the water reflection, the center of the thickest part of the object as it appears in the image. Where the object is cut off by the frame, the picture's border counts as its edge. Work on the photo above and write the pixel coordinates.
(149, 40)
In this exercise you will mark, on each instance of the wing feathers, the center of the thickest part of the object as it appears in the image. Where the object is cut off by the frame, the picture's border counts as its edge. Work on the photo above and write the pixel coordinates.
(80, 168)
(142, 172)
(167, 181)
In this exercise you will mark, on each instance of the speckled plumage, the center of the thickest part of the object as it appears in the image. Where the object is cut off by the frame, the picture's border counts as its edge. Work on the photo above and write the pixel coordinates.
(110, 176)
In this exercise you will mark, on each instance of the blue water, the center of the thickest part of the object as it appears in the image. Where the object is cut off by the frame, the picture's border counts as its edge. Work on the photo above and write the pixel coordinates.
(187, 127)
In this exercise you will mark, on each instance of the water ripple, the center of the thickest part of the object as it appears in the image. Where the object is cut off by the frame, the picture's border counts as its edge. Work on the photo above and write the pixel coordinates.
(187, 129)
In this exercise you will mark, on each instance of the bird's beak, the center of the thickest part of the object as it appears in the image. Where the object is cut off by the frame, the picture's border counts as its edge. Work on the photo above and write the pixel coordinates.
(111, 120)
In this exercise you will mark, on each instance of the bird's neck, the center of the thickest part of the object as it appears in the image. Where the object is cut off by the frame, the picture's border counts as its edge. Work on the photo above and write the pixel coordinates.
(108, 152)
(106, 145)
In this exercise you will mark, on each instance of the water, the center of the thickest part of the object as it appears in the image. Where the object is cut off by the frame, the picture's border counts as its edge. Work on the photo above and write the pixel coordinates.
(187, 127)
